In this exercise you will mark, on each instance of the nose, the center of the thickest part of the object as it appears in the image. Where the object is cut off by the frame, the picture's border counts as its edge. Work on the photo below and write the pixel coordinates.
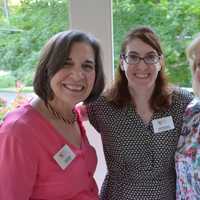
(78, 73)
(142, 65)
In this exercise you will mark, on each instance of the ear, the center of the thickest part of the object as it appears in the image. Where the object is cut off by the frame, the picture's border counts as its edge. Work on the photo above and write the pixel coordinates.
(122, 64)
(161, 63)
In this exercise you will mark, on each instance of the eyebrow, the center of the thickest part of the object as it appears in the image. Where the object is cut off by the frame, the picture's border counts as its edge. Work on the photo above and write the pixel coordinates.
(86, 61)
(90, 61)
(135, 52)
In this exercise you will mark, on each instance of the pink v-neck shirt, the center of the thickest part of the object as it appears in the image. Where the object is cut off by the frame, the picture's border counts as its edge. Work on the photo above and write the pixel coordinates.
(28, 170)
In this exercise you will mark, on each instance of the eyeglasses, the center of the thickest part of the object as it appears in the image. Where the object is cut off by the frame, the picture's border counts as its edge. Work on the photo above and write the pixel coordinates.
(135, 59)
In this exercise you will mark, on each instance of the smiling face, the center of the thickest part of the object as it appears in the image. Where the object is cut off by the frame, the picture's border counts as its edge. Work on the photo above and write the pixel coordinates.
(197, 56)
(74, 82)
(196, 73)
(140, 76)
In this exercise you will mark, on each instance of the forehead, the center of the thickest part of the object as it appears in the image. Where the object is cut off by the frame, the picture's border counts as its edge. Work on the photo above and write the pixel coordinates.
(81, 48)
(137, 45)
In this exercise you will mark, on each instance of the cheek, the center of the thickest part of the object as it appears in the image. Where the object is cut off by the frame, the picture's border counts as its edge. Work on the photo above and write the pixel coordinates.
(127, 72)
(54, 80)
(198, 74)
(59, 76)
(55, 77)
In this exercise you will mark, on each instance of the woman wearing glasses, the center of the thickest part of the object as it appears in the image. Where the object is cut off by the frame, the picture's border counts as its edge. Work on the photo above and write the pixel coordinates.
(187, 156)
(140, 119)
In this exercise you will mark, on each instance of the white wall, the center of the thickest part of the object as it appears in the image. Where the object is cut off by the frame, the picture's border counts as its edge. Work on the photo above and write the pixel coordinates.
(95, 16)
(95, 140)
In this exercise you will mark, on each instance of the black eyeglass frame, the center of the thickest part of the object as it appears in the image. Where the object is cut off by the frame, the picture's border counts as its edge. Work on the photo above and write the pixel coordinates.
(124, 57)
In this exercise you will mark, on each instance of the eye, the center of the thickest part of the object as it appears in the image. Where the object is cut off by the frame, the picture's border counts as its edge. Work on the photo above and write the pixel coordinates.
(132, 56)
(88, 66)
(151, 57)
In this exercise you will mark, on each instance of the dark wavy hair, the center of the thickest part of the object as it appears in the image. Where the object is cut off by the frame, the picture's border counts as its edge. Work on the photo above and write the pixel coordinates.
(119, 92)
(52, 59)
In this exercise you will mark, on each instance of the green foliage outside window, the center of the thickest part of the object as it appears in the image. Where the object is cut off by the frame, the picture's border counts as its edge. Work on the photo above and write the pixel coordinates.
(29, 25)
(176, 22)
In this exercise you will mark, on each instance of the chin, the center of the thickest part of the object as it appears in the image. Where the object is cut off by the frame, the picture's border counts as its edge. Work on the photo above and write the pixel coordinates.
(78, 101)
(146, 84)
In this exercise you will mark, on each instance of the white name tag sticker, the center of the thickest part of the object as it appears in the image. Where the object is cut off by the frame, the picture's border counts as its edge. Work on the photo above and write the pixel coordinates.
(163, 124)
(64, 156)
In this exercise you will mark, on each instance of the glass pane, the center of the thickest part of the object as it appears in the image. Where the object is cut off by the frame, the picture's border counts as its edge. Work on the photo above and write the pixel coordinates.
(176, 22)
(25, 25)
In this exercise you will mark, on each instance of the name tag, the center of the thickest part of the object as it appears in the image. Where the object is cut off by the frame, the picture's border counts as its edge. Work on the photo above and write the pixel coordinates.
(64, 157)
(163, 124)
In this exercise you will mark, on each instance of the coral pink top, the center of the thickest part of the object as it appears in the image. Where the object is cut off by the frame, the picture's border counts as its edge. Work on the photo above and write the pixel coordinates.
(28, 171)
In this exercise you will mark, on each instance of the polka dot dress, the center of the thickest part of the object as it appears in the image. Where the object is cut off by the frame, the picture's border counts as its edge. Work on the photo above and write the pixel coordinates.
(140, 162)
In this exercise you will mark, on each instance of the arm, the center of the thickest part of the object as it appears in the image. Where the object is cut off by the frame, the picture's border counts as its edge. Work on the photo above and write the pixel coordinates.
(17, 168)
(191, 126)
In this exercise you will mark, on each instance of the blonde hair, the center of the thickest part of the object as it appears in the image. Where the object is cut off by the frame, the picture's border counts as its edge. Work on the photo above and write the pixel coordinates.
(191, 50)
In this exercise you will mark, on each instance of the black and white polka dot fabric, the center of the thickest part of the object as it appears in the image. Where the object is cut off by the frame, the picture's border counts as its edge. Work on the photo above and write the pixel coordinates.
(140, 162)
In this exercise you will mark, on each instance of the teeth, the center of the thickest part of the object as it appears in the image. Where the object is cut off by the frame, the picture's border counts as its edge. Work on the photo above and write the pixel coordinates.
(73, 87)
(141, 75)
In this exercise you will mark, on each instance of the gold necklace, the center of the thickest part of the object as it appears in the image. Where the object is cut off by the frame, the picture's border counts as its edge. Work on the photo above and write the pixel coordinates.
(59, 115)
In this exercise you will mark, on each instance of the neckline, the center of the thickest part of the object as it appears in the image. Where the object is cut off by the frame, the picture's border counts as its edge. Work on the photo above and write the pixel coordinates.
(60, 116)
(131, 110)
(54, 131)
